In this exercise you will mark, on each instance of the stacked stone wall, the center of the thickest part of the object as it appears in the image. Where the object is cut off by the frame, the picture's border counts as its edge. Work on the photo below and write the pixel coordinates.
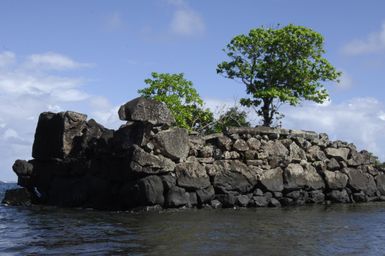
(149, 163)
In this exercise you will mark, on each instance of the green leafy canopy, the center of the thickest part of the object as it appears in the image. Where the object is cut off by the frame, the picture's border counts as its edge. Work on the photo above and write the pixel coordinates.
(279, 65)
(180, 97)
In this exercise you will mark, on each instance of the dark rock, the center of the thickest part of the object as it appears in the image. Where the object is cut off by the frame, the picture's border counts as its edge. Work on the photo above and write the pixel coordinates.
(216, 204)
(250, 154)
(205, 195)
(360, 181)
(129, 135)
(360, 197)
(268, 195)
(335, 180)
(285, 201)
(227, 200)
(337, 196)
(380, 181)
(177, 197)
(146, 163)
(274, 203)
(68, 192)
(146, 110)
(151, 190)
(17, 197)
(22, 168)
(233, 176)
(316, 197)
(173, 143)
(55, 133)
(258, 192)
(260, 201)
(278, 194)
(296, 177)
(242, 200)
(294, 194)
(333, 165)
(169, 181)
(192, 175)
(340, 154)
(95, 140)
(193, 199)
(272, 179)
(224, 143)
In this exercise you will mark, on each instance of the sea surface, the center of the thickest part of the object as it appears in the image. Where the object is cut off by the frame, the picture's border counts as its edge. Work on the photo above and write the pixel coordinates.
(310, 230)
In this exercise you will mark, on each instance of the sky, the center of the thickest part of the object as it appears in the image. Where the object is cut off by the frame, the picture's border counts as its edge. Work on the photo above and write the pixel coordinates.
(92, 56)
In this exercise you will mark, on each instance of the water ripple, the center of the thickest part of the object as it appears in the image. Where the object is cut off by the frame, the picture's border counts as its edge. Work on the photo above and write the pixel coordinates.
(333, 230)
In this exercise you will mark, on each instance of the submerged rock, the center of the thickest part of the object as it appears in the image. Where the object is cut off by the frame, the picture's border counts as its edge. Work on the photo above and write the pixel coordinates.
(17, 197)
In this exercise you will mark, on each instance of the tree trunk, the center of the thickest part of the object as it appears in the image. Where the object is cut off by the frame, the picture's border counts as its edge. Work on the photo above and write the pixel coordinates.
(267, 114)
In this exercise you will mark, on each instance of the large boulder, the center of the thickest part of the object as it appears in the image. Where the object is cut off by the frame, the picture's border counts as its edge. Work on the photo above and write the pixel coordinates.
(22, 168)
(340, 154)
(146, 163)
(335, 180)
(192, 175)
(361, 181)
(130, 134)
(296, 153)
(177, 197)
(173, 143)
(272, 179)
(205, 195)
(151, 190)
(338, 196)
(146, 110)
(275, 148)
(316, 154)
(380, 181)
(296, 177)
(55, 134)
(233, 176)
(95, 139)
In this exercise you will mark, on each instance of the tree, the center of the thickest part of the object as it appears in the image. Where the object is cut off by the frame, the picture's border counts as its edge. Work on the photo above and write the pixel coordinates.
(180, 97)
(233, 117)
(278, 65)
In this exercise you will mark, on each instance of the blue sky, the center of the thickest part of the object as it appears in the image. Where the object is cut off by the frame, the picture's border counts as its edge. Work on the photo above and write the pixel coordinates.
(92, 56)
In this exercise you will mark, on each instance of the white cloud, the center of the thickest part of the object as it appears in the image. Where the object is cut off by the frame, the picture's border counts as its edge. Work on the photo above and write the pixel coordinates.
(381, 115)
(53, 61)
(374, 43)
(185, 21)
(6, 59)
(10, 133)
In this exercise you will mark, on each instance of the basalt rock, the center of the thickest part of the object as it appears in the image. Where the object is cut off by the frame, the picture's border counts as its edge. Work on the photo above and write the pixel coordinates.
(146, 110)
(55, 134)
(147, 163)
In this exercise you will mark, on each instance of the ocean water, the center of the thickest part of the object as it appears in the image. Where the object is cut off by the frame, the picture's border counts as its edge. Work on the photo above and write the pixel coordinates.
(318, 230)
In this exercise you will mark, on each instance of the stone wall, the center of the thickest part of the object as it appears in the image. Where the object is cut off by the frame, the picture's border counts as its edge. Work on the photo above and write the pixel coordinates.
(147, 162)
